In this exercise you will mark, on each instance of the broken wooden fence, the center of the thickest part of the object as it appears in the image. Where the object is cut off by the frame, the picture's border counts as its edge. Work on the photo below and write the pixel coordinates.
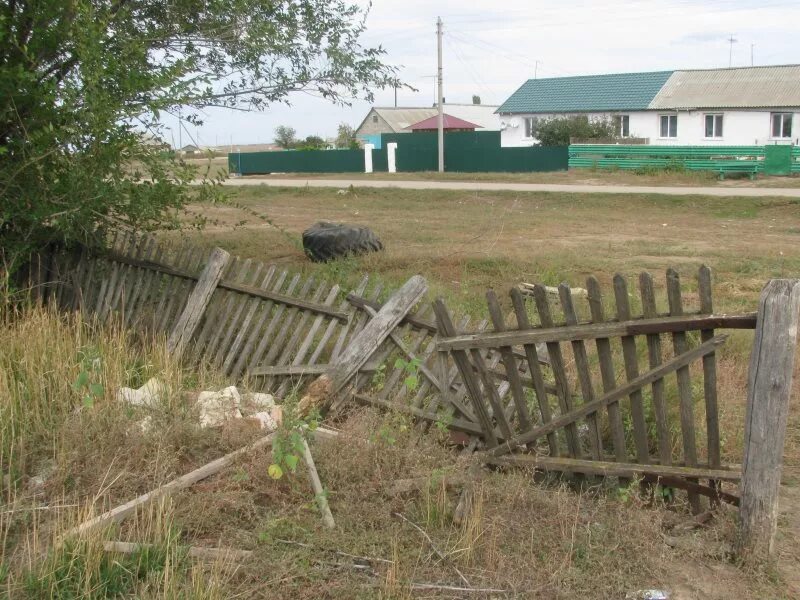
(617, 397)
(277, 329)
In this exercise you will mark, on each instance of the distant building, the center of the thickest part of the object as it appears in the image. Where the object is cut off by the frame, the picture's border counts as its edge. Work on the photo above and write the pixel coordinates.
(398, 120)
(729, 107)
(449, 123)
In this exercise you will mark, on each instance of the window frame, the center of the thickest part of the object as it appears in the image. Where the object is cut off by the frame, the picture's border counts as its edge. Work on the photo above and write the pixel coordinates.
(621, 123)
(715, 135)
(668, 116)
(528, 123)
(784, 116)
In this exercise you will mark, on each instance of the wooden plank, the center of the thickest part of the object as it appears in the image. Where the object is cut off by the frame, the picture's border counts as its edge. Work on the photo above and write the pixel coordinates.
(446, 329)
(510, 364)
(321, 346)
(647, 378)
(246, 324)
(274, 321)
(606, 359)
(584, 372)
(302, 351)
(709, 372)
(172, 289)
(456, 424)
(769, 388)
(680, 345)
(369, 339)
(119, 513)
(224, 304)
(235, 322)
(535, 369)
(235, 287)
(353, 318)
(559, 372)
(592, 331)
(278, 343)
(197, 258)
(415, 321)
(215, 313)
(301, 330)
(274, 370)
(198, 301)
(121, 240)
(256, 330)
(608, 469)
(654, 354)
(142, 284)
(395, 377)
(121, 292)
(631, 360)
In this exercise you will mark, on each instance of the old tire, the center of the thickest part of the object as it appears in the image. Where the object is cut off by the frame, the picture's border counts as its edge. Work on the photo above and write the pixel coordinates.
(325, 241)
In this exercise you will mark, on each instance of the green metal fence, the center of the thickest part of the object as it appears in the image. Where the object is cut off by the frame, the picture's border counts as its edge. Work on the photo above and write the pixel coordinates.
(472, 152)
(772, 160)
(298, 161)
(465, 152)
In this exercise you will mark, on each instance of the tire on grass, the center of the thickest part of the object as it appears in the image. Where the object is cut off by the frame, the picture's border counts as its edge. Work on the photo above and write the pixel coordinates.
(325, 241)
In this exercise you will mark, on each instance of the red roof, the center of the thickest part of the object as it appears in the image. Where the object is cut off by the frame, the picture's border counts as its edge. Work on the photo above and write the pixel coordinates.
(449, 123)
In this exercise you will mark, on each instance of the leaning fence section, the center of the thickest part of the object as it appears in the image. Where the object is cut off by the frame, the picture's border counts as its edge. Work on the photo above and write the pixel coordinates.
(600, 388)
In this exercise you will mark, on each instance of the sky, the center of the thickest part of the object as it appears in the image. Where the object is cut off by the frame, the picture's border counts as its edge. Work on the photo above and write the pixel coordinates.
(490, 48)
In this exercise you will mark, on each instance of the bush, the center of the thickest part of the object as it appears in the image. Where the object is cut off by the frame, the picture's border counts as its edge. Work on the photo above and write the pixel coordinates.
(559, 131)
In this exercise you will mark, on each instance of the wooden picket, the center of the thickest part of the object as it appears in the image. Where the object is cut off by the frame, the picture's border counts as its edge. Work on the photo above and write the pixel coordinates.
(560, 402)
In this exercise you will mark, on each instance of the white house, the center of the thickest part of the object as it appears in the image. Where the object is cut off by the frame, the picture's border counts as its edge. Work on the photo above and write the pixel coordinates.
(730, 107)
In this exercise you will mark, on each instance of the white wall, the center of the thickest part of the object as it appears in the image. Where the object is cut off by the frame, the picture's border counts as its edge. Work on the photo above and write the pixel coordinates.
(740, 128)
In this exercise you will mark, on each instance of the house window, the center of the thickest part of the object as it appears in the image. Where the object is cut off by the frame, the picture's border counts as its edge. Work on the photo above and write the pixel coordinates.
(669, 126)
(622, 125)
(782, 125)
(374, 118)
(713, 126)
(531, 127)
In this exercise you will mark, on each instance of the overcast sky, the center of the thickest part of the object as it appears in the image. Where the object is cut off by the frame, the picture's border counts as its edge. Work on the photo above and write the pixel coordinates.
(491, 47)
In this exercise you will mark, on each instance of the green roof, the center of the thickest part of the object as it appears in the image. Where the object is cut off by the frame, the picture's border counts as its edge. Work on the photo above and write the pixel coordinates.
(587, 93)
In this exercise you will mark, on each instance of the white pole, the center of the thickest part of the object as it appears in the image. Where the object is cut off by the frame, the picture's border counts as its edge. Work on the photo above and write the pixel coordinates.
(391, 156)
(368, 148)
(440, 125)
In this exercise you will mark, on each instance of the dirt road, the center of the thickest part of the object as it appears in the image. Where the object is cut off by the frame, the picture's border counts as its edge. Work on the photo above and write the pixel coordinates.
(517, 187)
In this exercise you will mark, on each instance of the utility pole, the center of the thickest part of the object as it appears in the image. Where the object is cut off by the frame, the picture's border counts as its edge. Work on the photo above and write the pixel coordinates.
(732, 41)
(536, 70)
(440, 122)
(752, 63)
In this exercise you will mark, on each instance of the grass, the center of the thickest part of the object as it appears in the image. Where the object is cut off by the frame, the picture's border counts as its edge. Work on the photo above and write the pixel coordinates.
(545, 539)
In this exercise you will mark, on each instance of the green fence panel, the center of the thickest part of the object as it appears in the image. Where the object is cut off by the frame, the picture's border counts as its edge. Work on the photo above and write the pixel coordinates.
(297, 161)
(722, 159)
(778, 160)
(795, 159)
(380, 160)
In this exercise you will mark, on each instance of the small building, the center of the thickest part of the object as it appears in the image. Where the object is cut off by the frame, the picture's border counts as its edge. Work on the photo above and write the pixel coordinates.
(398, 119)
(726, 107)
(449, 123)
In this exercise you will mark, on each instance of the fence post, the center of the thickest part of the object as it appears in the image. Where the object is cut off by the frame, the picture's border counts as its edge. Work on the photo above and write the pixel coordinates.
(391, 157)
(769, 387)
(368, 148)
(198, 301)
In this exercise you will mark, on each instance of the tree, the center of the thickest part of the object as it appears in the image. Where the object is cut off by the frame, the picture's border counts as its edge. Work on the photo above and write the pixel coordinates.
(476, 99)
(346, 136)
(83, 82)
(559, 131)
(313, 142)
(285, 136)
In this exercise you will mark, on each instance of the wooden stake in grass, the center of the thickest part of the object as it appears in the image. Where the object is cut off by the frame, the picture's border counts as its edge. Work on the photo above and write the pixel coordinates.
(322, 500)
(769, 388)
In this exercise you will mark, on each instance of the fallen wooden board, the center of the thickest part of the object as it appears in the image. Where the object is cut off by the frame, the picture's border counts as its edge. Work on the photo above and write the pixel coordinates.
(115, 515)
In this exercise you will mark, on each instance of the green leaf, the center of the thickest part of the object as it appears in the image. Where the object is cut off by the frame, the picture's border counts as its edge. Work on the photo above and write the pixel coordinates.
(291, 462)
(88, 401)
(81, 381)
(275, 471)
(399, 364)
(96, 390)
